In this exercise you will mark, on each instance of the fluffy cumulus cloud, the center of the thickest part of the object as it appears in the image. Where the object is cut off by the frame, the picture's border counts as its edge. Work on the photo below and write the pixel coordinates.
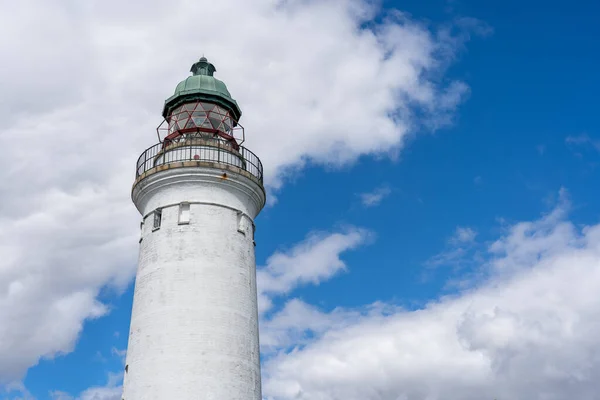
(82, 89)
(312, 261)
(529, 331)
(111, 391)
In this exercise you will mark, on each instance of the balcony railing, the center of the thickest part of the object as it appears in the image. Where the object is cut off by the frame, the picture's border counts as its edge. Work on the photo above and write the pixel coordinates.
(207, 150)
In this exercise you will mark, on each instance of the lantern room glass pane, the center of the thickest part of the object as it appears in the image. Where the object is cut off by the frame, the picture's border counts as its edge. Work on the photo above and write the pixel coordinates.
(173, 123)
(207, 106)
(198, 121)
(215, 122)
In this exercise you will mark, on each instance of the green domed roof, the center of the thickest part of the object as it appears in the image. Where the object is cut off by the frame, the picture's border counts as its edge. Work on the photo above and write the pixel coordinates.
(202, 85)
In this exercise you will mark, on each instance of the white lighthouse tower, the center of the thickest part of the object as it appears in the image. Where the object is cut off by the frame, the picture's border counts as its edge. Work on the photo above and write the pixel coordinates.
(194, 325)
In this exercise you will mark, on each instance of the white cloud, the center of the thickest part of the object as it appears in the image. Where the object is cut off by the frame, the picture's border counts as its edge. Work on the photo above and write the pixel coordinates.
(447, 257)
(54, 262)
(95, 393)
(583, 140)
(82, 91)
(459, 246)
(15, 391)
(297, 324)
(463, 235)
(111, 391)
(529, 332)
(315, 259)
(375, 197)
(102, 393)
(119, 353)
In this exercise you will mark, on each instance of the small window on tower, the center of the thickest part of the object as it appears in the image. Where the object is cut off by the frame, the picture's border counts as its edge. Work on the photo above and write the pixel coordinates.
(141, 230)
(184, 213)
(241, 226)
(157, 218)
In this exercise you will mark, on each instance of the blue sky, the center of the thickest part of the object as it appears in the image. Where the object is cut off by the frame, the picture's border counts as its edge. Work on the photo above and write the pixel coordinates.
(525, 138)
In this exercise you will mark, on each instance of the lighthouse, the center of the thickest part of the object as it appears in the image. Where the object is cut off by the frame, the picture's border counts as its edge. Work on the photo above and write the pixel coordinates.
(194, 322)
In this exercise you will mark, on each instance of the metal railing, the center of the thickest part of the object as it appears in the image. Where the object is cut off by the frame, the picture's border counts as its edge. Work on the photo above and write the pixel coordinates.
(208, 150)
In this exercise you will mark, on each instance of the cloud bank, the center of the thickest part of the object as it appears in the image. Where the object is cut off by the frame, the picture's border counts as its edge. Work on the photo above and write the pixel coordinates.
(528, 332)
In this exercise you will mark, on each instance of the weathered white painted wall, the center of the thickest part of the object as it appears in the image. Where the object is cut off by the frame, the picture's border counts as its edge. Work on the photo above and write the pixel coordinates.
(194, 326)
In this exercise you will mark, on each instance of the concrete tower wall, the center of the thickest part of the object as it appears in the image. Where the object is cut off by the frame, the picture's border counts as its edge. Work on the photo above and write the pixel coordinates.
(194, 325)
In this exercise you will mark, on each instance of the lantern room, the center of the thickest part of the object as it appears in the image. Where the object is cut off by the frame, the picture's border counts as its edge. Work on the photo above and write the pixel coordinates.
(202, 107)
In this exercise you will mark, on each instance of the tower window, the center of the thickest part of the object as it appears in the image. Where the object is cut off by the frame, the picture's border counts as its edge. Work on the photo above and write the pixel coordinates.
(241, 228)
(141, 231)
(157, 218)
(184, 213)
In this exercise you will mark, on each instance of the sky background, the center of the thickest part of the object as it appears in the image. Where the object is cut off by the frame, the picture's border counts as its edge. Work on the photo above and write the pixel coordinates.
(432, 229)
